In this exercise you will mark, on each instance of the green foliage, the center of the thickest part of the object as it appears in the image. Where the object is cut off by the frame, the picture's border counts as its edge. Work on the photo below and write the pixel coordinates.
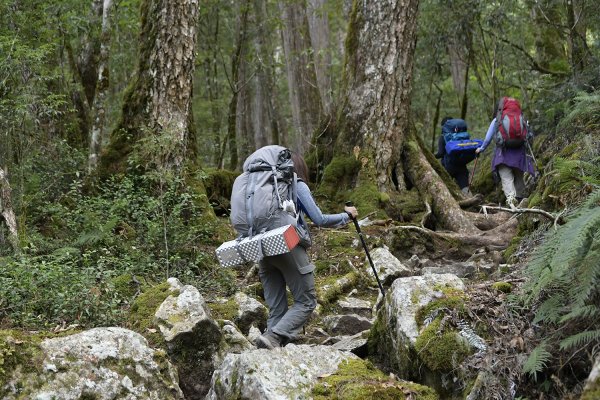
(537, 360)
(564, 277)
(76, 246)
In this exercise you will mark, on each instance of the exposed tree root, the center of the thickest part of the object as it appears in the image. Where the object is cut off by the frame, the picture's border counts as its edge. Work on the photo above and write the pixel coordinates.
(555, 218)
(471, 201)
(496, 239)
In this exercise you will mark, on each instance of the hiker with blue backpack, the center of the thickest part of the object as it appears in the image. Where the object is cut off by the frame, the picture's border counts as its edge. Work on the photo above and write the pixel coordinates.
(273, 192)
(513, 156)
(457, 149)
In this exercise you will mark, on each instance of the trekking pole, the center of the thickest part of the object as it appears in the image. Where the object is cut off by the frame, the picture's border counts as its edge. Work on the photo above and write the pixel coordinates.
(364, 245)
(473, 172)
(537, 169)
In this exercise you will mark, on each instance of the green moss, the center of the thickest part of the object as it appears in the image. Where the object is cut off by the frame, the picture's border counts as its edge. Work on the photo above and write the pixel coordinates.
(141, 314)
(512, 247)
(227, 310)
(18, 349)
(330, 288)
(451, 302)
(359, 379)
(125, 285)
(440, 350)
(592, 392)
(503, 287)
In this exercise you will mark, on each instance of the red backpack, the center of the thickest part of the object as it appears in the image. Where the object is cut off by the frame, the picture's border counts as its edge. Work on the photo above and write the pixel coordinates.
(511, 128)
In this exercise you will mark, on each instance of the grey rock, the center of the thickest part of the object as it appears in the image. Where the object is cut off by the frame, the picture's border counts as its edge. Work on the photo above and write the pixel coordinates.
(388, 267)
(460, 269)
(284, 373)
(352, 305)
(356, 344)
(414, 262)
(253, 334)
(347, 324)
(250, 312)
(101, 363)
(193, 338)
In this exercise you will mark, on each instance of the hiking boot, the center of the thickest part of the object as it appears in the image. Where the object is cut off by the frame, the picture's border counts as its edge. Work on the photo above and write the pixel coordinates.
(268, 340)
(523, 202)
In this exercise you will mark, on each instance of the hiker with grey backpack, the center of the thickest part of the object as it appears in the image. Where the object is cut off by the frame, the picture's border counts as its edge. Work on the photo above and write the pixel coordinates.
(513, 155)
(272, 192)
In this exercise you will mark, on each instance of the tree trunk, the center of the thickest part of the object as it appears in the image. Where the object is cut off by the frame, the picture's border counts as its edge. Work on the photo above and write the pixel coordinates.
(7, 212)
(377, 82)
(549, 40)
(157, 107)
(431, 186)
(578, 52)
(305, 99)
(320, 37)
(236, 60)
(101, 92)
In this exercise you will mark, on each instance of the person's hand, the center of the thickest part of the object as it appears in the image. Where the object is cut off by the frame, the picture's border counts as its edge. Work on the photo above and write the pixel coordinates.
(478, 150)
(351, 211)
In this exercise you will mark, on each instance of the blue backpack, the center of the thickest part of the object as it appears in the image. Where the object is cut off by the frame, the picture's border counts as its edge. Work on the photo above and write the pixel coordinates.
(460, 148)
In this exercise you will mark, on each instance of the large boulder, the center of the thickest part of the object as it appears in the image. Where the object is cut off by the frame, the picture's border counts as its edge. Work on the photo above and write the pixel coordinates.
(388, 267)
(408, 333)
(101, 363)
(193, 339)
(347, 324)
(284, 373)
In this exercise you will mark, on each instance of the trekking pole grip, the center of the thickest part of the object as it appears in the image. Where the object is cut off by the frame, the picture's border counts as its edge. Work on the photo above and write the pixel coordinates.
(350, 204)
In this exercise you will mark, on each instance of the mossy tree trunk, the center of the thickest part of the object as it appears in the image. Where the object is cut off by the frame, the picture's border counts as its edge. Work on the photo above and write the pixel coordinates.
(157, 119)
(377, 81)
(374, 121)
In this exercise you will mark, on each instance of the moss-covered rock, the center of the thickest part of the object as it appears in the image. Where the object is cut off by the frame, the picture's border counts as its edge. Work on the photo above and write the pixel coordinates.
(360, 380)
(141, 313)
(98, 363)
(441, 350)
(504, 287)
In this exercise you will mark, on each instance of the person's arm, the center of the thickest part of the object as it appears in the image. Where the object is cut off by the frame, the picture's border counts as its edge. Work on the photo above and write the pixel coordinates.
(488, 137)
(307, 204)
(441, 147)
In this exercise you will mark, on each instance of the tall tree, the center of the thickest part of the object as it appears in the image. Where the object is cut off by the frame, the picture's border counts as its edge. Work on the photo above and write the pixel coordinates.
(157, 119)
(101, 90)
(375, 120)
(378, 75)
(305, 99)
(318, 24)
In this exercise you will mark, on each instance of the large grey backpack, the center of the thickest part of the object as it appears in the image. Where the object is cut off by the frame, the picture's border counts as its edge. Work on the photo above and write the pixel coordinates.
(263, 195)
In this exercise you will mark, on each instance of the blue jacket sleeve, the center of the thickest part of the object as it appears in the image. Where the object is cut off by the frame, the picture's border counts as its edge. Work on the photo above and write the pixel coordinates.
(307, 204)
(488, 136)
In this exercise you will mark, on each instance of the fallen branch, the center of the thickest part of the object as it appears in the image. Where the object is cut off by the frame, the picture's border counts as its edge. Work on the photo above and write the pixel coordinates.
(552, 217)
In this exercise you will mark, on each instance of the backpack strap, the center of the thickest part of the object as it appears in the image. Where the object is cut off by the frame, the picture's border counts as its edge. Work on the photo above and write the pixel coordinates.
(249, 198)
(274, 173)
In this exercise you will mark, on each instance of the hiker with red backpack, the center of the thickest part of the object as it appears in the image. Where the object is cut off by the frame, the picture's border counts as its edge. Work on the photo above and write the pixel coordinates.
(513, 139)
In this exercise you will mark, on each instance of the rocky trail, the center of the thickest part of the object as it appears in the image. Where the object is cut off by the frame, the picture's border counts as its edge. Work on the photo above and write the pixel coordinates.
(444, 330)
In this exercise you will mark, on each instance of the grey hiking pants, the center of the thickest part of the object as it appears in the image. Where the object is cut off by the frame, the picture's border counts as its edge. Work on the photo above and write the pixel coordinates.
(295, 270)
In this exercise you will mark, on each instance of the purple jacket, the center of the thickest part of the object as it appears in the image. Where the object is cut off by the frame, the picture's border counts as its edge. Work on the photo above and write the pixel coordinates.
(514, 158)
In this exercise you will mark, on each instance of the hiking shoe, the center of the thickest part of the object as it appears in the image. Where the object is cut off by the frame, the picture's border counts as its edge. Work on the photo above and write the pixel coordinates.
(268, 340)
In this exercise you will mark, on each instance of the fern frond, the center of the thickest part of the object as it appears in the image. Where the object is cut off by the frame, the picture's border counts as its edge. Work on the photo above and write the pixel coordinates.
(551, 309)
(579, 340)
(537, 360)
(586, 311)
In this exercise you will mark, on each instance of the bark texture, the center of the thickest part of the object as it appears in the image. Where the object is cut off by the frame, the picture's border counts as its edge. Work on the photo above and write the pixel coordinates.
(101, 92)
(320, 38)
(157, 106)
(378, 74)
(7, 212)
(305, 99)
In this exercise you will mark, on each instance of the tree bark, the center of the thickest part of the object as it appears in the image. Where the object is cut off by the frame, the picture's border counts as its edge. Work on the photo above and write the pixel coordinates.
(578, 52)
(101, 92)
(377, 82)
(157, 107)
(305, 99)
(320, 37)
(7, 212)
(236, 59)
